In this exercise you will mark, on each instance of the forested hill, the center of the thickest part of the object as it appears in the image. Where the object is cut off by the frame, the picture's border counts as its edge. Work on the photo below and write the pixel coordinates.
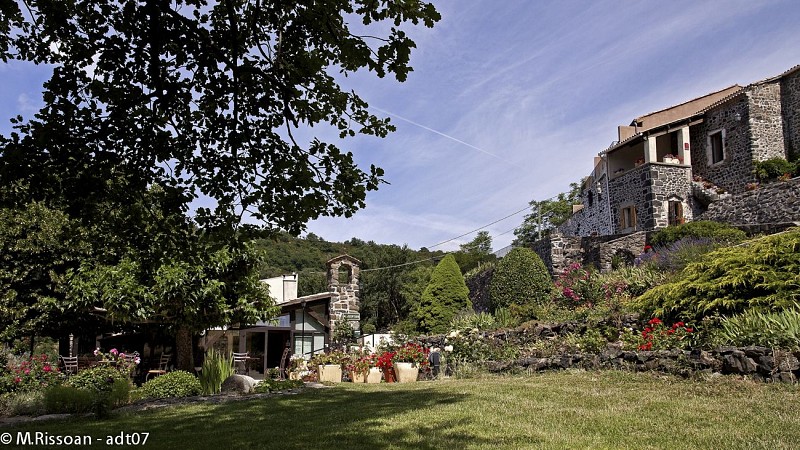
(387, 295)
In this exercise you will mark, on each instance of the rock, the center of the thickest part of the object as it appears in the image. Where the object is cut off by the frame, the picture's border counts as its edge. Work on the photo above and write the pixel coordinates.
(737, 362)
(238, 384)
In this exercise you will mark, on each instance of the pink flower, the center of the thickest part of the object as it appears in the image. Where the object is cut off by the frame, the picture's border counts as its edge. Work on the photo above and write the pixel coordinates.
(27, 371)
(47, 368)
(17, 380)
(113, 351)
(96, 351)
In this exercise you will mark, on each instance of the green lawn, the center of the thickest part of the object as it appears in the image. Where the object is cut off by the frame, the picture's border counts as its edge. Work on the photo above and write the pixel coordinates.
(553, 410)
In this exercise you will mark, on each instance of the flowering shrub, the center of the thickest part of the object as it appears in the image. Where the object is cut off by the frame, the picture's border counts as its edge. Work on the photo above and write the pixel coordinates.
(125, 364)
(413, 353)
(385, 360)
(658, 336)
(32, 374)
(580, 287)
(362, 361)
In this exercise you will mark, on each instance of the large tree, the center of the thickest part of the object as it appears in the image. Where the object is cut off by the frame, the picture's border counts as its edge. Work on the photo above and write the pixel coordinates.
(152, 104)
(210, 97)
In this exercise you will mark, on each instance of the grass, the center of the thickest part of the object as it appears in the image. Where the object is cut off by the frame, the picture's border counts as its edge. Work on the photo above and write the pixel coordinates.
(572, 409)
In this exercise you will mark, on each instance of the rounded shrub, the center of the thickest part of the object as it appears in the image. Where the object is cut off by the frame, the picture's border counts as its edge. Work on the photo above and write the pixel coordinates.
(98, 378)
(715, 231)
(520, 278)
(172, 384)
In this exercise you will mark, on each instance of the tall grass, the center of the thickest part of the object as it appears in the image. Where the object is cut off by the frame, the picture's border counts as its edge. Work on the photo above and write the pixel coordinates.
(216, 368)
(777, 329)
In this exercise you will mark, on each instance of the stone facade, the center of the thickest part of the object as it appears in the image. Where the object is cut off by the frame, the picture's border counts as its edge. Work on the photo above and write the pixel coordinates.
(558, 251)
(755, 123)
(790, 105)
(777, 202)
(343, 280)
(594, 217)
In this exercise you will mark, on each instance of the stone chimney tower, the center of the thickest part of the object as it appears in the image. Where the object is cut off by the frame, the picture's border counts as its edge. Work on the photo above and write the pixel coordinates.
(343, 273)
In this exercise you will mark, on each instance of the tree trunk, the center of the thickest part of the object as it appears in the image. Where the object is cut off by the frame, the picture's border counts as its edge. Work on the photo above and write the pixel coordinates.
(183, 348)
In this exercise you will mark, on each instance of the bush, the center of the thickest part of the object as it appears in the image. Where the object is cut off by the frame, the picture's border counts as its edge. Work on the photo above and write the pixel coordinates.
(715, 231)
(216, 368)
(98, 378)
(67, 399)
(636, 279)
(22, 404)
(443, 297)
(520, 278)
(677, 255)
(172, 384)
(30, 374)
(777, 329)
(773, 169)
(763, 274)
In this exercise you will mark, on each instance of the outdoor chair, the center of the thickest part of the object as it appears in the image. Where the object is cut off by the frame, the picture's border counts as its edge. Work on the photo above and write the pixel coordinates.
(70, 364)
(240, 362)
(163, 363)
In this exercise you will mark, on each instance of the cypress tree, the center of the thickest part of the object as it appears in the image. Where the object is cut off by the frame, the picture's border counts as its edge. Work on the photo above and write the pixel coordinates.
(520, 278)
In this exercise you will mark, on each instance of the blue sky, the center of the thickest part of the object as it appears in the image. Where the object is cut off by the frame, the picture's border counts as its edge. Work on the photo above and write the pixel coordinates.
(510, 100)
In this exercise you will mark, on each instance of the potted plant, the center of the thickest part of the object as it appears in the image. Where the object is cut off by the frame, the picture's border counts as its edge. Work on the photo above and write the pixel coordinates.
(671, 159)
(386, 364)
(362, 368)
(329, 365)
(408, 359)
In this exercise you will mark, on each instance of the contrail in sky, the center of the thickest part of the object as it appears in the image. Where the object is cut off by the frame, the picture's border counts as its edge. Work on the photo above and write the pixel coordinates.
(440, 134)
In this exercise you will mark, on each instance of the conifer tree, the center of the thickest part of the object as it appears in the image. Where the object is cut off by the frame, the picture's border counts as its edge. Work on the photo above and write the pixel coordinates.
(444, 296)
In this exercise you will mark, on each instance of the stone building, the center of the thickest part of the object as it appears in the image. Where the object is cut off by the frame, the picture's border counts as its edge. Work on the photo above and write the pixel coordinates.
(668, 166)
(687, 162)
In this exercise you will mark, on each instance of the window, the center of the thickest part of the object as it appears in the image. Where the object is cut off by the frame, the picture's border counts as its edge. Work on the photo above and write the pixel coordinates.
(716, 146)
(591, 198)
(627, 217)
(675, 213)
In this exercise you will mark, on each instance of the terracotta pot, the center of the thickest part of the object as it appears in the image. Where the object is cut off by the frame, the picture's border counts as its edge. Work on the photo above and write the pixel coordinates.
(388, 375)
(406, 372)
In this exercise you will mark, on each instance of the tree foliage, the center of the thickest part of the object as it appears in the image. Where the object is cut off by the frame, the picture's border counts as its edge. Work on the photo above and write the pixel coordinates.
(764, 274)
(718, 232)
(209, 97)
(445, 295)
(520, 278)
(554, 212)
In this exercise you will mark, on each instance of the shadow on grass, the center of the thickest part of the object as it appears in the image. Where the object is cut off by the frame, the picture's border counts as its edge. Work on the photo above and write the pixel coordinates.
(337, 417)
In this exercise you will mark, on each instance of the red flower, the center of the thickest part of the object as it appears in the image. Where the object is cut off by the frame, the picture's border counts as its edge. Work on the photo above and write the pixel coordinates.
(655, 321)
(689, 330)
(17, 380)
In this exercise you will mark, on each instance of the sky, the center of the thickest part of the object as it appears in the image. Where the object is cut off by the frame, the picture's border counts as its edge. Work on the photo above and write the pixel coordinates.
(509, 102)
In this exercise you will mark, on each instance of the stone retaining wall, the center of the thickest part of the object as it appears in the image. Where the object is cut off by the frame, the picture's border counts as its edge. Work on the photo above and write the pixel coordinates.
(759, 363)
(777, 202)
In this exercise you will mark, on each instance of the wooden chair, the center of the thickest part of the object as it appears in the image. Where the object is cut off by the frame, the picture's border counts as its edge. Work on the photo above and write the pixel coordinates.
(70, 364)
(163, 363)
(240, 362)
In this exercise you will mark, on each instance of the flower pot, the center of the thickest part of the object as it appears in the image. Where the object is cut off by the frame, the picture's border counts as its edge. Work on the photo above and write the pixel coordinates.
(406, 372)
(330, 372)
(374, 375)
(359, 377)
(388, 375)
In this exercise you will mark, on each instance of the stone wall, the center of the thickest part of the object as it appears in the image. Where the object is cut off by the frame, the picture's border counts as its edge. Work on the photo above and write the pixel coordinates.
(759, 363)
(736, 170)
(771, 203)
(668, 183)
(790, 105)
(626, 247)
(766, 121)
(345, 305)
(478, 285)
(558, 251)
(630, 189)
(595, 217)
